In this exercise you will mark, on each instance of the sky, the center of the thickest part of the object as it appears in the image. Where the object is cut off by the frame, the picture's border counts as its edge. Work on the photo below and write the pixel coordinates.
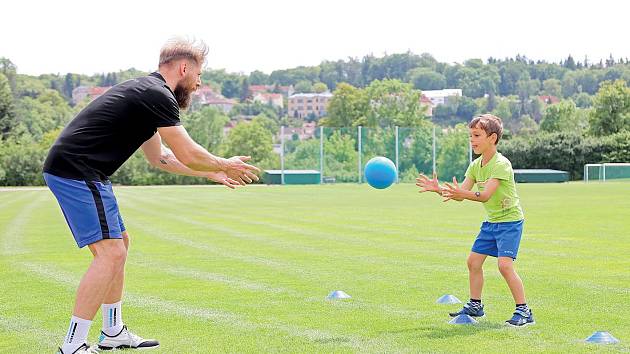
(89, 37)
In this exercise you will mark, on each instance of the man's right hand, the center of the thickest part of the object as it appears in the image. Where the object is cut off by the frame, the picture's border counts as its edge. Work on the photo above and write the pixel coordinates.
(428, 185)
(238, 170)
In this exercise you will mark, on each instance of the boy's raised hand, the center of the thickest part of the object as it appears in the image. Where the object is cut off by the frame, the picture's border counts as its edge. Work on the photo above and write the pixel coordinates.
(428, 185)
(452, 191)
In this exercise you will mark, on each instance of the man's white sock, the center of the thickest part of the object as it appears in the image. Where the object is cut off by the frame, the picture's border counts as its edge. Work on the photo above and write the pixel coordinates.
(77, 334)
(112, 318)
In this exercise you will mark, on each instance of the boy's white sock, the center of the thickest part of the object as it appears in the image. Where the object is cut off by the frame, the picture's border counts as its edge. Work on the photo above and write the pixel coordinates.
(112, 318)
(77, 334)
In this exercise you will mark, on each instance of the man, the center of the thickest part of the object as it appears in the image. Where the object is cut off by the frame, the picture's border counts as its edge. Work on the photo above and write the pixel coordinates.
(136, 113)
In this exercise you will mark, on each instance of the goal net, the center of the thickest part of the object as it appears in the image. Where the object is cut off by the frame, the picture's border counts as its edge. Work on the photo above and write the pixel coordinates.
(606, 171)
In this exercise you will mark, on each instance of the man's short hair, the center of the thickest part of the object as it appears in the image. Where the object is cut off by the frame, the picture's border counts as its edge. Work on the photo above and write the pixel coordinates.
(489, 123)
(182, 48)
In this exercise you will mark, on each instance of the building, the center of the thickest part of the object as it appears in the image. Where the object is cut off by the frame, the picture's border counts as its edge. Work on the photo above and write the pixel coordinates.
(285, 91)
(303, 105)
(222, 103)
(274, 99)
(306, 131)
(426, 102)
(80, 93)
(439, 97)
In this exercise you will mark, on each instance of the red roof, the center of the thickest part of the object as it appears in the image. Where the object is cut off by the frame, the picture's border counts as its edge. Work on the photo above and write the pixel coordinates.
(549, 99)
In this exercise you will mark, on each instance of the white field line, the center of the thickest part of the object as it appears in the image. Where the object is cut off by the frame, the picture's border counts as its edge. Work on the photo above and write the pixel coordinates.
(224, 318)
(13, 233)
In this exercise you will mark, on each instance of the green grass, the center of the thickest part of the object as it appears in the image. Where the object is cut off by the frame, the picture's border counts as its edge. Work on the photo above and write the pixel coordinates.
(214, 270)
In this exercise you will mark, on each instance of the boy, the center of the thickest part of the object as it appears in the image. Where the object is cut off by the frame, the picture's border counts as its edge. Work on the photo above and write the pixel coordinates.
(500, 235)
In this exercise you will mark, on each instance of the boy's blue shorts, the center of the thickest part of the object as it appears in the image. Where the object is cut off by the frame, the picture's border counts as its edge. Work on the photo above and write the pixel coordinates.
(499, 239)
(90, 208)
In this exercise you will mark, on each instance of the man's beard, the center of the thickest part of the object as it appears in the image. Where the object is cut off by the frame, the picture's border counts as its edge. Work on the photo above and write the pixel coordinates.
(183, 94)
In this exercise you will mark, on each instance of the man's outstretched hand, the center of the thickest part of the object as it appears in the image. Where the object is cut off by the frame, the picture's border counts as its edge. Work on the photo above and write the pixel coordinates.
(239, 171)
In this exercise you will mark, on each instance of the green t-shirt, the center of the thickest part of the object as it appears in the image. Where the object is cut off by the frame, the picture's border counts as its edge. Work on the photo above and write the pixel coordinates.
(504, 204)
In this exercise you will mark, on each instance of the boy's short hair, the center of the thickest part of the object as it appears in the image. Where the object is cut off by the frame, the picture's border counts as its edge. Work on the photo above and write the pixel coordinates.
(182, 48)
(489, 123)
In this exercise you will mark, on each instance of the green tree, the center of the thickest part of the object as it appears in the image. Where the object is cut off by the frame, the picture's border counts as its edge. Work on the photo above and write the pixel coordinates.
(559, 117)
(257, 77)
(453, 153)
(206, 127)
(347, 106)
(320, 87)
(304, 86)
(552, 87)
(231, 88)
(7, 115)
(391, 103)
(426, 79)
(252, 139)
(611, 109)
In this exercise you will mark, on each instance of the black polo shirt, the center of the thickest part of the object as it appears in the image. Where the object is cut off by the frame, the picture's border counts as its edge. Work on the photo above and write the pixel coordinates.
(111, 128)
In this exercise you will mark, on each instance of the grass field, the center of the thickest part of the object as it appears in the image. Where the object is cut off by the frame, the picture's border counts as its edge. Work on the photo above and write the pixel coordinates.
(214, 270)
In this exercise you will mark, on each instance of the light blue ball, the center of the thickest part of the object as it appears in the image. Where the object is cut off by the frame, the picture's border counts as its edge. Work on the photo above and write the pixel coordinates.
(380, 172)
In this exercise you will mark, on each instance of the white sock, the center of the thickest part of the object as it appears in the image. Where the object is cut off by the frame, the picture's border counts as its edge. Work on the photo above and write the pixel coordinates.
(77, 334)
(112, 318)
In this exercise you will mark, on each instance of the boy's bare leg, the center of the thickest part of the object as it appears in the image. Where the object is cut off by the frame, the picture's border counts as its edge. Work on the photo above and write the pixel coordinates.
(475, 274)
(506, 267)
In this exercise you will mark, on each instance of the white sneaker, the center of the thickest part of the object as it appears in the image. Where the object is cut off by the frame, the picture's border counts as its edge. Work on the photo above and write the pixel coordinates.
(83, 349)
(125, 339)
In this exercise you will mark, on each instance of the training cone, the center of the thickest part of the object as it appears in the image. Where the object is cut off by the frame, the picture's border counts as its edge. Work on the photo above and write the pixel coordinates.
(338, 294)
(448, 299)
(600, 337)
(463, 319)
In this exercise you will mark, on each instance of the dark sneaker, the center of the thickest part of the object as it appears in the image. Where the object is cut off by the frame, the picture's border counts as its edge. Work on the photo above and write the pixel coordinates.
(83, 349)
(472, 309)
(125, 339)
(522, 317)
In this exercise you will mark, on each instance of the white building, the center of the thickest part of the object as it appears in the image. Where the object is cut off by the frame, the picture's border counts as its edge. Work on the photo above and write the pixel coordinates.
(439, 97)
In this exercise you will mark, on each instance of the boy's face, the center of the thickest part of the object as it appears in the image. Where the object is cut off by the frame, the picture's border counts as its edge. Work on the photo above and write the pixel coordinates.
(480, 140)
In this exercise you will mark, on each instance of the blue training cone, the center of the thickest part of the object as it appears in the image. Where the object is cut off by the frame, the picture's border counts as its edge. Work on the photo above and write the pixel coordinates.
(463, 320)
(601, 337)
(338, 295)
(448, 299)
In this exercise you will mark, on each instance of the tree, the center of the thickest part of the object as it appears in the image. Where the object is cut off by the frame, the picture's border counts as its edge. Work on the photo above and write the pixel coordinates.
(453, 156)
(304, 87)
(7, 115)
(347, 106)
(559, 117)
(611, 109)
(320, 87)
(252, 139)
(206, 127)
(257, 77)
(426, 79)
(231, 88)
(9, 70)
(583, 100)
(392, 103)
(552, 87)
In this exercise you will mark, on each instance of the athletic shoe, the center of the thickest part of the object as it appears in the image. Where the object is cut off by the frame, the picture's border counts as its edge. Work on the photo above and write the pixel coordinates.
(83, 349)
(125, 339)
(522, 317)
(472, 309)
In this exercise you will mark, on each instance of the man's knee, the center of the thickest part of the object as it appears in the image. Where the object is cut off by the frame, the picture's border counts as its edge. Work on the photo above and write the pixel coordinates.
(111, 251)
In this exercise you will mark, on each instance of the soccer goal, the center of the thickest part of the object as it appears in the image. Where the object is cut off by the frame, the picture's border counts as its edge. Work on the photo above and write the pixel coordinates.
(606, 171)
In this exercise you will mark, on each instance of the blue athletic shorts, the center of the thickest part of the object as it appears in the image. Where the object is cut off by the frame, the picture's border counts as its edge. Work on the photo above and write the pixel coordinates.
(90, 208)
(499, 239)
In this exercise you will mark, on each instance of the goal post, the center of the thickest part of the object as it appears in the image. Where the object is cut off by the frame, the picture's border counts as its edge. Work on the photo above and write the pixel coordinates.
(606, 171)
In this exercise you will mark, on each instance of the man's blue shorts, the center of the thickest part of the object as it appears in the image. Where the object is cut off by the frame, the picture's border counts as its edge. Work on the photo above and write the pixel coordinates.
(90, 208)
(499, 239)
